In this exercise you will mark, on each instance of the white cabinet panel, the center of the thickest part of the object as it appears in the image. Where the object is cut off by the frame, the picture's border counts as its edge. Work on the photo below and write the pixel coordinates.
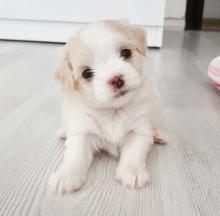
(143, 12)
(70, 14)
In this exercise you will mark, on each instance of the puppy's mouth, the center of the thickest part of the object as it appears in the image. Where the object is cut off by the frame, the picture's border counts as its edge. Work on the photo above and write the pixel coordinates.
(121, 93)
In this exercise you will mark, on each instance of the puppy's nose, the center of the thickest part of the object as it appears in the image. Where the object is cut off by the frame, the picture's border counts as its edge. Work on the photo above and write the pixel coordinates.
(116, 82)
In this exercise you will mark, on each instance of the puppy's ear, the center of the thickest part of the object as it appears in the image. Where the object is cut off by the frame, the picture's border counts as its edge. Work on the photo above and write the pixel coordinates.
(64, 73)
(123, 21)
(140, 39)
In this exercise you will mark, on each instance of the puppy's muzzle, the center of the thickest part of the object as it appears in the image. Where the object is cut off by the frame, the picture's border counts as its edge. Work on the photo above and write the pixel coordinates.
(117, 82)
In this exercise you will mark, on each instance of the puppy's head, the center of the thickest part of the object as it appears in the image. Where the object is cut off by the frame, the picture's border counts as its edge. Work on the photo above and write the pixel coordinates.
(103, 63)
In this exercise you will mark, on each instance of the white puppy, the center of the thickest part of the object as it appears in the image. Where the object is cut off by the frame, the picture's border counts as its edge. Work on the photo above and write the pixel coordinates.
(109, 104)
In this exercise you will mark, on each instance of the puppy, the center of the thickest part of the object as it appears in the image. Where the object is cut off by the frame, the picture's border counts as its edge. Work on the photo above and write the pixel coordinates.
(109, 104)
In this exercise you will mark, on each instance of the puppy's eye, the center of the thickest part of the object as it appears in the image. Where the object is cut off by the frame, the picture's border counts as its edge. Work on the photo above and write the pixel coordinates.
(125, 53)
(87, 73)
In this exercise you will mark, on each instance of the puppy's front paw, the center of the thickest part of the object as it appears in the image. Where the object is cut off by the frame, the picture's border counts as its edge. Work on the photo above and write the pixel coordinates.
(133, 176)
(65, 181)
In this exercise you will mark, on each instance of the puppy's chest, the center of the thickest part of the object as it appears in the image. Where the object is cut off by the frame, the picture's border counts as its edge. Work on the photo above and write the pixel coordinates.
(113, 127)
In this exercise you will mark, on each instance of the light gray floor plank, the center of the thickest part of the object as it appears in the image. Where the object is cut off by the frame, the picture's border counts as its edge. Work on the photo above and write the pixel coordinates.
(185, 177)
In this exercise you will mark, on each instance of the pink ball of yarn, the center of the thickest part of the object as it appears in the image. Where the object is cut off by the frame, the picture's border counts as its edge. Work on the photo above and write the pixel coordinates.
(214, 72)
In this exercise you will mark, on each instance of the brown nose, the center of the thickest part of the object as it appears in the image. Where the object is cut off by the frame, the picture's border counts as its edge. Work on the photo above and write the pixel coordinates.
(116, 82)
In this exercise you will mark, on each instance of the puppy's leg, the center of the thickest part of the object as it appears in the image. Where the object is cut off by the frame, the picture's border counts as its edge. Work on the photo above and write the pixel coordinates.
(62, 134)
(158, 122)
(131, 171)
(77, 159)
(160, 137)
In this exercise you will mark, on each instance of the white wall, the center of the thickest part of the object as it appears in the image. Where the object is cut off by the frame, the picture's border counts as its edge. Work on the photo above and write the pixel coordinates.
(212, 9)
(176, 9)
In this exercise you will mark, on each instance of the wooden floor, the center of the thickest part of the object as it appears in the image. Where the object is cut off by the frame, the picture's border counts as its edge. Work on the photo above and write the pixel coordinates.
(185, 175)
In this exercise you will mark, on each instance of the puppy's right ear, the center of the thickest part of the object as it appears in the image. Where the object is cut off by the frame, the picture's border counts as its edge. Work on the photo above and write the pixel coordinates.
(64, 73)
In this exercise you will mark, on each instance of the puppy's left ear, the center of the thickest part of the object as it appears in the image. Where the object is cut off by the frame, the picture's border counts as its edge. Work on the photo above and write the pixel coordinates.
(140, 40)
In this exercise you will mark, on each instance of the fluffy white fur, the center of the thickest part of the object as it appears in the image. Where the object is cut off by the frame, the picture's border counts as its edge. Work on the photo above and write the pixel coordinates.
(96, 117)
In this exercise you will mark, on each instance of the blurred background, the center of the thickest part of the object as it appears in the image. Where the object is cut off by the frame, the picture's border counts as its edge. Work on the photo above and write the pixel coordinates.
(55, 20)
